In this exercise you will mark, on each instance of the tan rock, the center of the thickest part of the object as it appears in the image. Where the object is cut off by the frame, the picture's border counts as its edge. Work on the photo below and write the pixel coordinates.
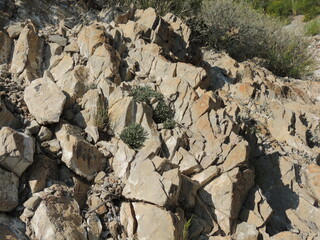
(286, 235)
(187, 163)
(62, 68)
(58, 217)
(191, 74)
(206, 175)
(226, 194)
(246, 231)
(45, 100)
(80, 156)
(16, 150)
(27, 55)
(127, 219)
(89, 38)
(122, 159)
(8, 191)
(313, 179)
(94, 227)
(238, 156)
(151, 186)
(165, 225)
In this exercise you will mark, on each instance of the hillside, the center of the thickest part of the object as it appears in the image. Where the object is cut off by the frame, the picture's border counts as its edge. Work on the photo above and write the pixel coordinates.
(113, 125)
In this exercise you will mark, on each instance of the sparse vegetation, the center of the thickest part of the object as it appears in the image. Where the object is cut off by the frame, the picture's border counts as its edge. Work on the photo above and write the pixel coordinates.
(101, 119)
(312, 27)
(134, 135)
(186, 227)
(144, 94)
(162, 112)
(169, 123)
(245, 33)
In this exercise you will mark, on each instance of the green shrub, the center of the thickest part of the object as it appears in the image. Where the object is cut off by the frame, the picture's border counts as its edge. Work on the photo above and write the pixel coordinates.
(312, 27)
(144, 94)
(134, 135)
(162, 112)
(101, 119)
(169, 123)
(245, 33)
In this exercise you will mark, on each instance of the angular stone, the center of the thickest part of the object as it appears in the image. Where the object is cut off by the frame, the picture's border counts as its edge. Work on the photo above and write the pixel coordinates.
(151, 186)
(44, 134)
(191, 74)
(238, 156)
(16, 150)
(187, 163)
(58, 217)
(94, 227)
(165, 225)
(27, 55)
(127, 219)
(89, 38)
(79, 155)
(60, 69)
(226, 194)
(246, 231)
(62, 41)
(313, 179)
(188, 192)
(45, 100)
(122, 159)
(206, 175)
(8, 191)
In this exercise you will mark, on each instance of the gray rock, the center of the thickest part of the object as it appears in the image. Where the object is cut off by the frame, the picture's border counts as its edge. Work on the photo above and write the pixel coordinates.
(8, 191)
(62, 41)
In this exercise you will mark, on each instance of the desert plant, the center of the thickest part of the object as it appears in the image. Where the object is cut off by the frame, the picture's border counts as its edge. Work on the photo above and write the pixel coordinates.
(144, 94)
(186, 226)
(169, 123)
(134, 135)
(245, 33)
(312, 27)
(101, 118)
(162, 112)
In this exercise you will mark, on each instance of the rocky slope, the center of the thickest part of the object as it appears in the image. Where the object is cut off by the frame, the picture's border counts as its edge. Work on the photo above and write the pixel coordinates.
(241, 162)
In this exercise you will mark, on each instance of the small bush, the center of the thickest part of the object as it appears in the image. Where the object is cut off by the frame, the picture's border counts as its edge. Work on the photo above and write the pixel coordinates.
(162, 112)
(134, 135)
(144, 94)
(245, 33)
(169, 123)
(313, 27)
(101, 119)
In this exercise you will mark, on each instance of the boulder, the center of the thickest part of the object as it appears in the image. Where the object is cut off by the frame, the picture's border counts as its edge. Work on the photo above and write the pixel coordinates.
(16, 150)
(8, 191)
(151, 186)
(45, 100)
(165, 225)
(246, 231)
(58, 216)
(79, 155)
(27, 55)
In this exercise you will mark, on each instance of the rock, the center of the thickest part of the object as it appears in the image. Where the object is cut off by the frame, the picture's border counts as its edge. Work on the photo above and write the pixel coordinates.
(122, 160)
(206, 175)
(58, 39)
(237, 156)
(165, 225)
(313, 177)
(33, 127)
(8, 191)
(11, 228)
(226, 194)
(89, 38)
(32, 202)
(61, 67)
(5, 48)
(188, 192)
(16, 150)
(94, 227)
(41, 171)
(127, 219)
(58, 217)
(44, 134)
(246, 231)
(80, 156)
(27, 55)
(187, 163)
(151, 186)
(15, 30)
(46, 108)
(7, 119)
(286, 235)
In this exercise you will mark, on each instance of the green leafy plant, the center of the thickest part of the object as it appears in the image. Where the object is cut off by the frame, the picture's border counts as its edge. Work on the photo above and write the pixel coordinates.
(245, 33)
(185, 233)
(169, 123)
(144, 94)
(162, 112)
(134, 135)
(312, 27)
(101, 119)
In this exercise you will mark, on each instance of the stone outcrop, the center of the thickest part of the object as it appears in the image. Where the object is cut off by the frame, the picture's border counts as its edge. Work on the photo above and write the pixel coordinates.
(237, 156)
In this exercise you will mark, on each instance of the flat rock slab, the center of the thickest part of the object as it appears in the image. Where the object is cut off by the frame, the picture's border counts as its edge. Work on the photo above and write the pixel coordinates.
(45, 100)
(16, 150)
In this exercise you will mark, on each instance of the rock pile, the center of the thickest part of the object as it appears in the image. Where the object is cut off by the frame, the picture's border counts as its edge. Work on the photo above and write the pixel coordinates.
(239, 159)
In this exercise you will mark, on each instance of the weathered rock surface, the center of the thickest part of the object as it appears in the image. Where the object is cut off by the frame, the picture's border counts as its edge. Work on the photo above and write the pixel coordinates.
(12, 228)
(16, 150)
(7, 119)
(79, 155)
(8, 190)
(45, 108)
